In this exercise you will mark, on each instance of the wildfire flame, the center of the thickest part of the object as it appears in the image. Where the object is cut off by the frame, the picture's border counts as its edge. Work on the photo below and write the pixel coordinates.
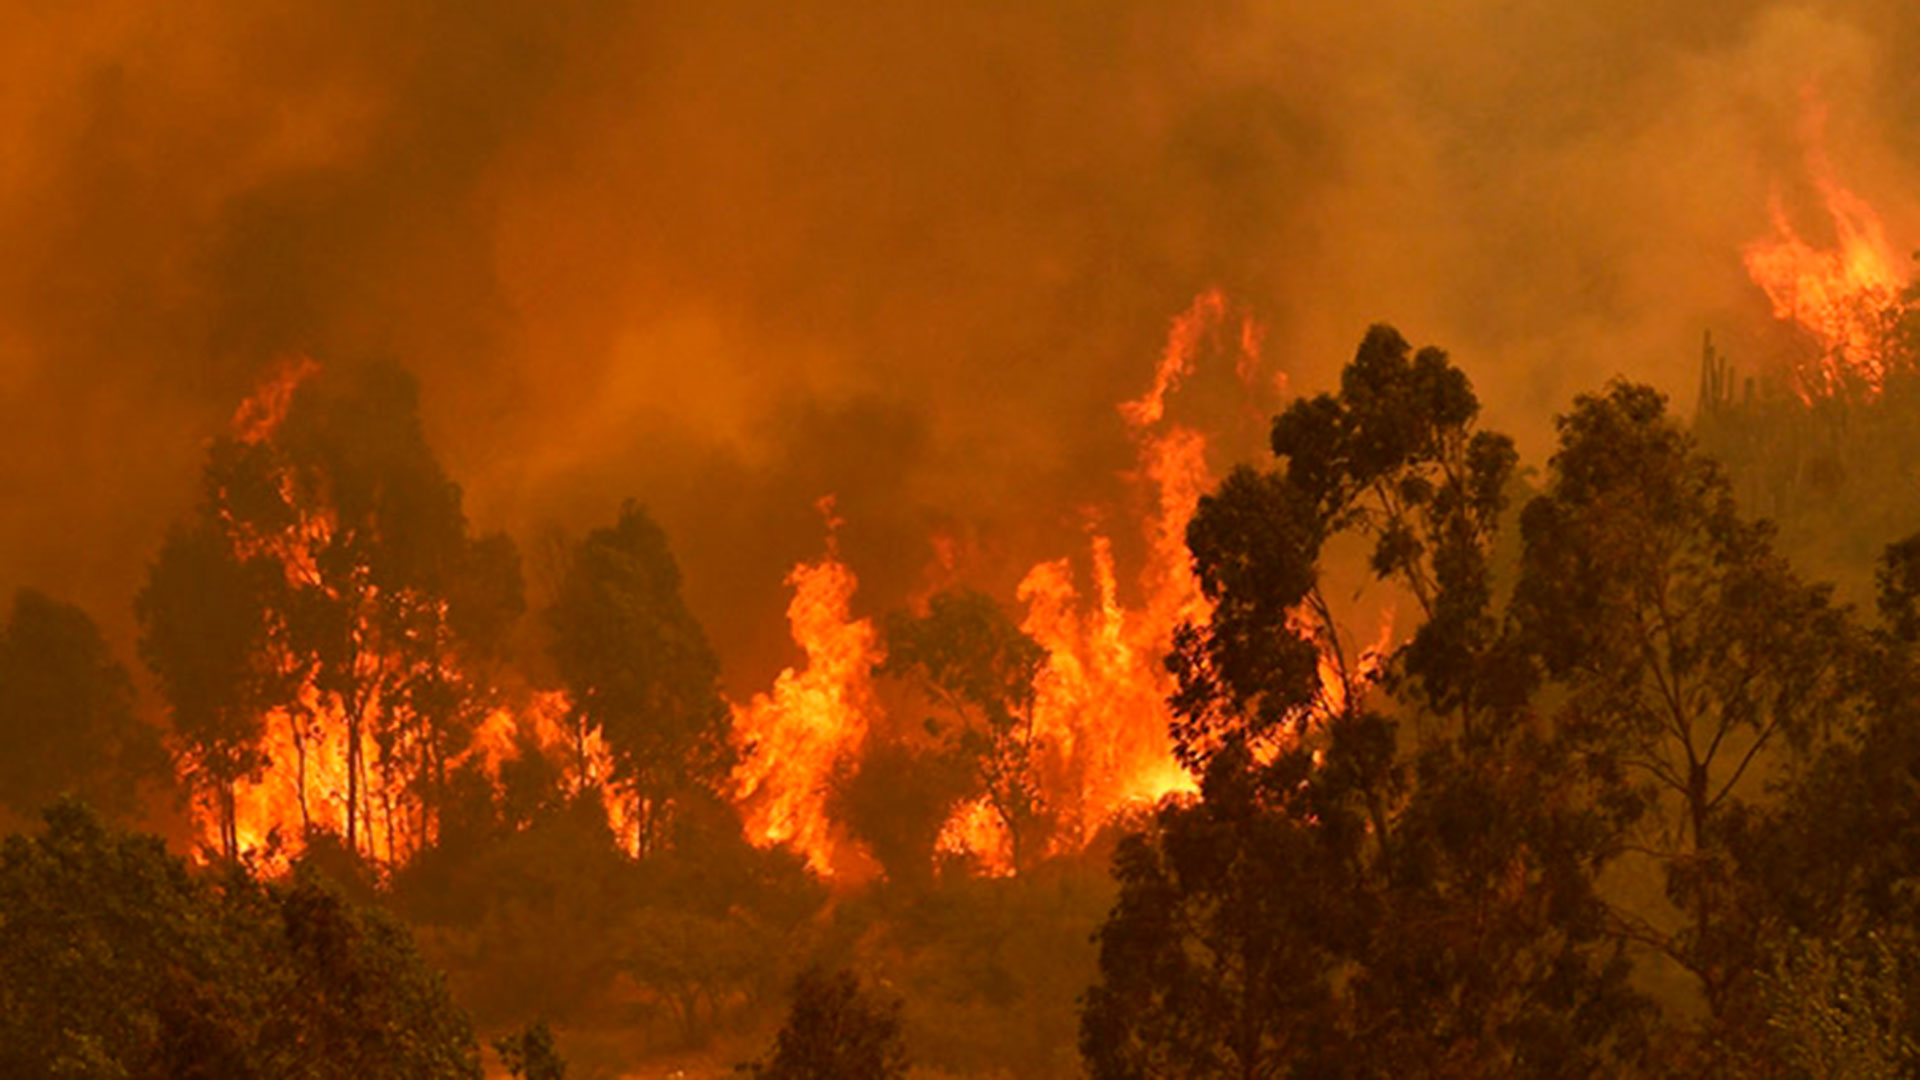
(976, 830)
(1100, 707)
(814, 717)
(1100, 712)
(1843, 295)
(1100, 717)
(303, 788)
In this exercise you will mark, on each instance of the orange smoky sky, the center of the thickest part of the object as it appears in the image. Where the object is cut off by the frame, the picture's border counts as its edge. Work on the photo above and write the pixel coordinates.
(728, 257)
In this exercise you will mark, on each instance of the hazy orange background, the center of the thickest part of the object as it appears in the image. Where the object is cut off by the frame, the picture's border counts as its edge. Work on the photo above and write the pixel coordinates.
(730, 258)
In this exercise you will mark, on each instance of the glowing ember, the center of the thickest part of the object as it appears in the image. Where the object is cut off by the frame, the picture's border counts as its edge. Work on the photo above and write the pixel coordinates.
(1843, 296)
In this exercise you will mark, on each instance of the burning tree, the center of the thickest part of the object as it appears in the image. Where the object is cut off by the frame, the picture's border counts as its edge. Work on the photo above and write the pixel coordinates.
(1820, 438)
(968, 656)
(639, 673)
(325, 603)
(206, 635)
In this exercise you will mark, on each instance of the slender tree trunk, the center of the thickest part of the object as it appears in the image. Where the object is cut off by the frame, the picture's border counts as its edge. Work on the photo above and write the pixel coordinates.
(353, 783)
(436, 819)
(580, 776)
(1702, 902)
(300, 777)
(229, 824)
(386, 804)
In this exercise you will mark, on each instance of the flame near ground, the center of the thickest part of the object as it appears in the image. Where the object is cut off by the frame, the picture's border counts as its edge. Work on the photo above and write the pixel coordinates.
(1099, 711)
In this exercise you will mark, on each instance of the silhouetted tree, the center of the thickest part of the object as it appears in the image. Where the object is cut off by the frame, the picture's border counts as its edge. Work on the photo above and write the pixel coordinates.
(897, 795)
(639, 670)
(836, 1030)
(529, 1054)
(205, 634)
(1219, 957)
(1830, 870)
(968, 656)
(1443, 917)
(67, 724)
(384, 572)
(1688, 650)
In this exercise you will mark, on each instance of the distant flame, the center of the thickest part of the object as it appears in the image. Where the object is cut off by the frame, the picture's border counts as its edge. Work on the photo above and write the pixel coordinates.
(1102, 705)
(1843, 295)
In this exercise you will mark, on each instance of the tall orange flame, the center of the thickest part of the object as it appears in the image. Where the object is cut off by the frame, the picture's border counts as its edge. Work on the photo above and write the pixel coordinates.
(1101, 698)
(815, 716)
(1841, 295)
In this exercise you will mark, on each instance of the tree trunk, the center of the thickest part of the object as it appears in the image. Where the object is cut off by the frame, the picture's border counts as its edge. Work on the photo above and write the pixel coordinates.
(229, 823)
(353, 783)
(300, 777)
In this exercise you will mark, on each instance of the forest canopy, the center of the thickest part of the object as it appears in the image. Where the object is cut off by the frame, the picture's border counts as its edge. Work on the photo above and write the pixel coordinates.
(1623, 792)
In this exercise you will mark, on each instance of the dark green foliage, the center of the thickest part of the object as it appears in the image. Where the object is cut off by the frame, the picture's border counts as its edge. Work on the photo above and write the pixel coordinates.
(836, 1031)
(117, 960)
(639, 670)
(1899, 590)
(966, 654)
(1219, 957)
(1250, 673)
(1828, 873)
(67, 724)
(991, 967)
(1260, 932)
(1687, 648)
(1392, 458)
(530, 1054)
(1340, 901)
(549, 916)
(1838, 1011)
(205, 634)
(897, 795)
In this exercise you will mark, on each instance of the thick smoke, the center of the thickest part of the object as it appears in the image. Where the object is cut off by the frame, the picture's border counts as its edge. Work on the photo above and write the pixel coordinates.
(729, 257)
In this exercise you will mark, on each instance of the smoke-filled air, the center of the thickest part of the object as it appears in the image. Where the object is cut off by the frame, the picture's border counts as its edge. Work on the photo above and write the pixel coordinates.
(1117, 540)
